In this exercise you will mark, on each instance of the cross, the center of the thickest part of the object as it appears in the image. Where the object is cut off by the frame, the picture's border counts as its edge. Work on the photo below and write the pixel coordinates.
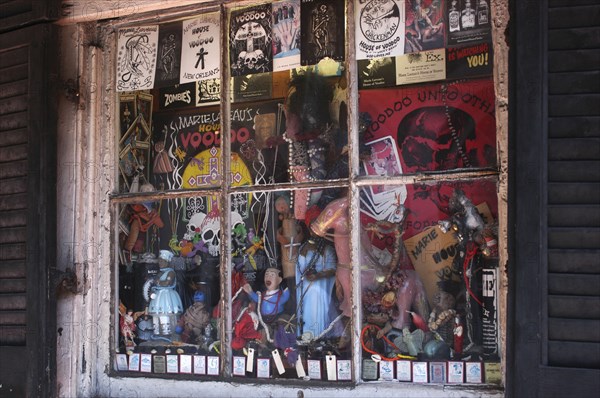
(201, 55)
(291, 246)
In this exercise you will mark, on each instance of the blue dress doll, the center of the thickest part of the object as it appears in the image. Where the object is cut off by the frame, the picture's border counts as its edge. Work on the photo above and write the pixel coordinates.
(165, 303)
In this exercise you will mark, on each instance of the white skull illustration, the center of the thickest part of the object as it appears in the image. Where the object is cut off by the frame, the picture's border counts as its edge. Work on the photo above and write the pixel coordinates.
(194, 226)
(210, 234)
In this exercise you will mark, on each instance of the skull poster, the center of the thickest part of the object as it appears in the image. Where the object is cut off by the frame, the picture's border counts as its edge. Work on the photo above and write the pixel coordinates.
(201, 49)
(323, 30)
(250, 48)
(434, 128)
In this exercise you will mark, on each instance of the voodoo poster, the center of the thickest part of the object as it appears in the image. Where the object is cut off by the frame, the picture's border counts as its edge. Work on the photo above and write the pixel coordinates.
(468, 22)
(286, 35)
(177, 96)
(424, 25)
(168, 60)
(379, 28)
(377, 72)
(323, 30)
(201, 49)
(250, 35)
(435, 127)
(136, 57)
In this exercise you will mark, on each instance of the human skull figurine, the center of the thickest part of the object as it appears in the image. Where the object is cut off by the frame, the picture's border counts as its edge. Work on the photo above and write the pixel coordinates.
(242, 58)
(194, 225)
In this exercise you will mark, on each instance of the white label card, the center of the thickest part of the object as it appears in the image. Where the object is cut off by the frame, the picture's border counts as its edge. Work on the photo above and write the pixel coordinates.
(199, 364)
(185, 364)
(420, 372)
(122, 362)
(263, 368)
(172, 364)
(403, 370)
(344, 369)
(250, 360)
(314, 369)
(213, 366)
(134, 362)
(146, 363)
(331, 364)
(278, 362)
(386, 370)
(300, 368)
(239, 366)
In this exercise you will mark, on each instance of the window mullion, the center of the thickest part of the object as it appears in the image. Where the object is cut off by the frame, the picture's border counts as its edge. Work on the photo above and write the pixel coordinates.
(225, 201)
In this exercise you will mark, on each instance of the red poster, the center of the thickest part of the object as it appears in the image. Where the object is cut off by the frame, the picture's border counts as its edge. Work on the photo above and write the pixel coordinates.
(434, 127)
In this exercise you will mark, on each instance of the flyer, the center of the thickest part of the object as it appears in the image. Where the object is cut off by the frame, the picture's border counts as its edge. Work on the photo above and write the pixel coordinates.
(380, 28)
(250, 35)
(136, 57)
(424, 66)
(286, 35)
(201, 49)
(168, 62)
(468, 21)
(323, 30)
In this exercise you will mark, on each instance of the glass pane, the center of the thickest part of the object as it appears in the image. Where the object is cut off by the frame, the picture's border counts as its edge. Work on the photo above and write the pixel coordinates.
(428, 127)
(428, 270)
(169, 277)
(291, 285)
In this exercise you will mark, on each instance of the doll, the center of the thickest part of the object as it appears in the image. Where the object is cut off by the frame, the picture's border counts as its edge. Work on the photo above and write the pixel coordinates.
(196, 317)
(273, 299)
(165, 303)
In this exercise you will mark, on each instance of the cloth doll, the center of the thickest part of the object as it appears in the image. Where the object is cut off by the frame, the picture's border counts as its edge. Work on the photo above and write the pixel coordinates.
(273, 299)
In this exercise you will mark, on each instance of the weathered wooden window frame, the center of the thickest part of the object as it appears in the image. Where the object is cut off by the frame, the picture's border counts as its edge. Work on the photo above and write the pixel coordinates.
(354, 183)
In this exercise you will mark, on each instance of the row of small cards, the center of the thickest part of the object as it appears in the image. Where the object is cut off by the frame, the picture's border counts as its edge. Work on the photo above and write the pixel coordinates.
(148, 363)
(428, 372)
(332, 370)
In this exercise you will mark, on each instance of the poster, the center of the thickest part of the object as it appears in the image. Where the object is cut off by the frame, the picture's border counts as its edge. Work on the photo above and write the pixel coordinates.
(208, 92)
(424, 66)
(323, 30)
(379, 28)
(469, 61)
(286, 35)
(177, 96)
(424, 25)
(136, 57)
(376, 73)
(468, 21)
(250, 48)
(168, 60)
(252, 87)
(201, 49)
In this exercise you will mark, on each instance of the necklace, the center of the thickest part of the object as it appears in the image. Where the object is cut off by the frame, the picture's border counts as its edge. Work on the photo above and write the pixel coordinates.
(453, 132)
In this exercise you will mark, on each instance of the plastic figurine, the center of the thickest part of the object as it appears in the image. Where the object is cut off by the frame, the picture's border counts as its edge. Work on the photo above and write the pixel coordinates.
(127, 325)
(165, 303)
(458, 335)
(273, 299)
(316, 280)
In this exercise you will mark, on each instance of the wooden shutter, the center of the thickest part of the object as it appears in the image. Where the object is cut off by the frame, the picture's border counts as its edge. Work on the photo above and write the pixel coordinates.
(556, 199)
(27, 211)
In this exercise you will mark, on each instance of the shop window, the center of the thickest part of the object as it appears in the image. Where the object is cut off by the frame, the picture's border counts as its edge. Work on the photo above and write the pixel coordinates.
(254, 227)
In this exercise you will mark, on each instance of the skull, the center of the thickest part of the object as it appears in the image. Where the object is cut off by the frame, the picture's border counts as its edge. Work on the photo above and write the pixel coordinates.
(250, 61)
(242, 58)
(194, 225)
(210, 234)
(236, 219)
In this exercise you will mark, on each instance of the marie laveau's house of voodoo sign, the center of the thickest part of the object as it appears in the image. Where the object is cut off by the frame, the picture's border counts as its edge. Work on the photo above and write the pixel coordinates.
(428, 253)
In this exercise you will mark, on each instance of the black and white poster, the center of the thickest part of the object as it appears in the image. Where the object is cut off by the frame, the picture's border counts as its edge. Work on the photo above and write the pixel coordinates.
(378, 72)
(201, 49)
(177, 96)
(379, 28)
(286, 35)
(169, 55)
(208, 92)
(424, 25)
(250, 48)
(136, 58)
(468, 21)
(323, 30)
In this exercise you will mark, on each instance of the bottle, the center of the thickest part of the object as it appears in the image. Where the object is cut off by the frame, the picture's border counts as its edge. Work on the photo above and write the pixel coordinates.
(468, 16)
(454, 18)
(483, 13)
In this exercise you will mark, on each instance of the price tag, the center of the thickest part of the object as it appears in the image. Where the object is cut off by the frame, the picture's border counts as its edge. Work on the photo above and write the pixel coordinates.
(250, 360)
(278, 362)
(330, 362)
(300, 368)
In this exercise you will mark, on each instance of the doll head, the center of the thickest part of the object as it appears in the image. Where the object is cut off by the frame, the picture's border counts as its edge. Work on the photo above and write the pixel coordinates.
(272, 279)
